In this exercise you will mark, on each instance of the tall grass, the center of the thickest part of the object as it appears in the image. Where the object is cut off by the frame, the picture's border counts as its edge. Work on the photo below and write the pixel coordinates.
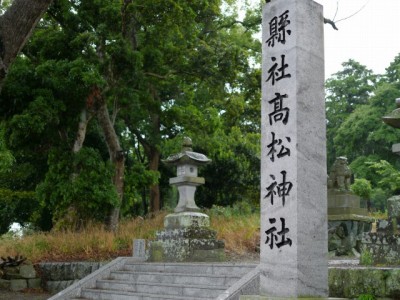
(240, 233)
(94, 243)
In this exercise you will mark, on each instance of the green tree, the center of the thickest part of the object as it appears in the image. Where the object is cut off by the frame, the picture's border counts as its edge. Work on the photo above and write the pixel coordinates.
(116, 80)
(362, 188)
(345, 91)
(367, 141)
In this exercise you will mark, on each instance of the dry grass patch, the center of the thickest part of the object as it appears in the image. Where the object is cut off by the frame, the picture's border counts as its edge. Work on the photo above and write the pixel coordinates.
(94, 243)
(240, 233)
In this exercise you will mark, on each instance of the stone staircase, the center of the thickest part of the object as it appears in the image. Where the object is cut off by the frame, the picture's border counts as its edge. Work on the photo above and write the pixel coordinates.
(140, 280)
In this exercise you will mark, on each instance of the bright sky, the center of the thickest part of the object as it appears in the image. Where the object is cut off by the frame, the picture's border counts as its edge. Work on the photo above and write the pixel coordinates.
(370, 37)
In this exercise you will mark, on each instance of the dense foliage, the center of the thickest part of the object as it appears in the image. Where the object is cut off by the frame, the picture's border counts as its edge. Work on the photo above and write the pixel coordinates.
(105, 89)
(357, 100)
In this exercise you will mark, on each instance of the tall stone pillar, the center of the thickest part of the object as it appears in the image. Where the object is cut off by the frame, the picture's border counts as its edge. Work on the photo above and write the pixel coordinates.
(294, 246)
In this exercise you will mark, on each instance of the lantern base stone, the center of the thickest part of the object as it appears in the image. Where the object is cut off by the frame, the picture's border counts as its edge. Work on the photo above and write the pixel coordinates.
(187, 238)
(186, 219)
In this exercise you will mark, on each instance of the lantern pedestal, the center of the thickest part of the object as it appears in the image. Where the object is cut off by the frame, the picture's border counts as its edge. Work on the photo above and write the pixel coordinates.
(186, 220)
(187, 238)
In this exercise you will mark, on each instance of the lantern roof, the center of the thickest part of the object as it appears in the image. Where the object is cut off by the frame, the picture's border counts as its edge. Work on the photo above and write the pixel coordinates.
(187, 156)
(393, 118)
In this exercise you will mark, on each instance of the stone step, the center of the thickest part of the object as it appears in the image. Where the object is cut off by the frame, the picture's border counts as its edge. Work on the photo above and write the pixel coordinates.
(161, 288)
(199, 268)
(95, 294)
(176, 278)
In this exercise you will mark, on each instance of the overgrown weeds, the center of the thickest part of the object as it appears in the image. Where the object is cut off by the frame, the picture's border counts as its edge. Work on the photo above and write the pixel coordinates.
(94, 243)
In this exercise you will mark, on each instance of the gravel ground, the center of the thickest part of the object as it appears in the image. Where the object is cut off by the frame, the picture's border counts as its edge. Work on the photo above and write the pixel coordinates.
(7, 295)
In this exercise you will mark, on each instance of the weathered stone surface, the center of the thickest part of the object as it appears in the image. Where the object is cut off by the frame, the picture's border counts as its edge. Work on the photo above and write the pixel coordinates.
(4, 284)
(186, 249)
(394, 207)
(340, 175)
(27, 271)
(12, 273)
(18, 284)
(156, 252)
(341, 201)
(34, 283)
(393, 284)
(186, 219)
(186, 233)
(248, 297)
(186, 181)
(352, 217)
(56, 286)
(382, 248)
(208, 255)
(181, 244)
(67, 270)
(293, 254)
(344, 237)
(360, 281)
(393, 204)
(383, 226)
(351, 283)
(383, 283)
(139, 248)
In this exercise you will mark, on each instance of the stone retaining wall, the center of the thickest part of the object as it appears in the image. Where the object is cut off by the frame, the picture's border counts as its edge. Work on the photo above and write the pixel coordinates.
(59, 276)
(344, 236)
(344, 282)
(17, 278)
(381, 249)
(352, 282)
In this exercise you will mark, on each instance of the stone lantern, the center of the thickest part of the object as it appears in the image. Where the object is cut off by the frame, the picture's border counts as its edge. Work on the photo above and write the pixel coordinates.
(383, 244)
(186, 179)
(393, 120)
(187, 235)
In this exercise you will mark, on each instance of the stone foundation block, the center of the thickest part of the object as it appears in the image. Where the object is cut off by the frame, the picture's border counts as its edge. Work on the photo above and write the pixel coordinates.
(381, 249)
(186, 244)
(56, 286)
(18, 285)
(208, 255)
(4, 284)
(345, 236)
(186, 219)
(27, 271)
(34, 283)
(186, 233)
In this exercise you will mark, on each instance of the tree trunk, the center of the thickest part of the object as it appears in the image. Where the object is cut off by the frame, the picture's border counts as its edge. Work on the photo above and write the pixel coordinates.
(153, 156)
(117, 159)
(71, 220)
(154, 160)
(81, 134)
(16, 26)
(144, 202)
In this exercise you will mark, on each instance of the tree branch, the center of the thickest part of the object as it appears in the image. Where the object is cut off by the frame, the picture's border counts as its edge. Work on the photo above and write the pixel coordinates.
(352, 15)
(17, 25)
(330, 22)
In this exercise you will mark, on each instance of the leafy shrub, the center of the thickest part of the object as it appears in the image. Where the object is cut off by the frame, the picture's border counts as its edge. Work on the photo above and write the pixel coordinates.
(366, 297)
